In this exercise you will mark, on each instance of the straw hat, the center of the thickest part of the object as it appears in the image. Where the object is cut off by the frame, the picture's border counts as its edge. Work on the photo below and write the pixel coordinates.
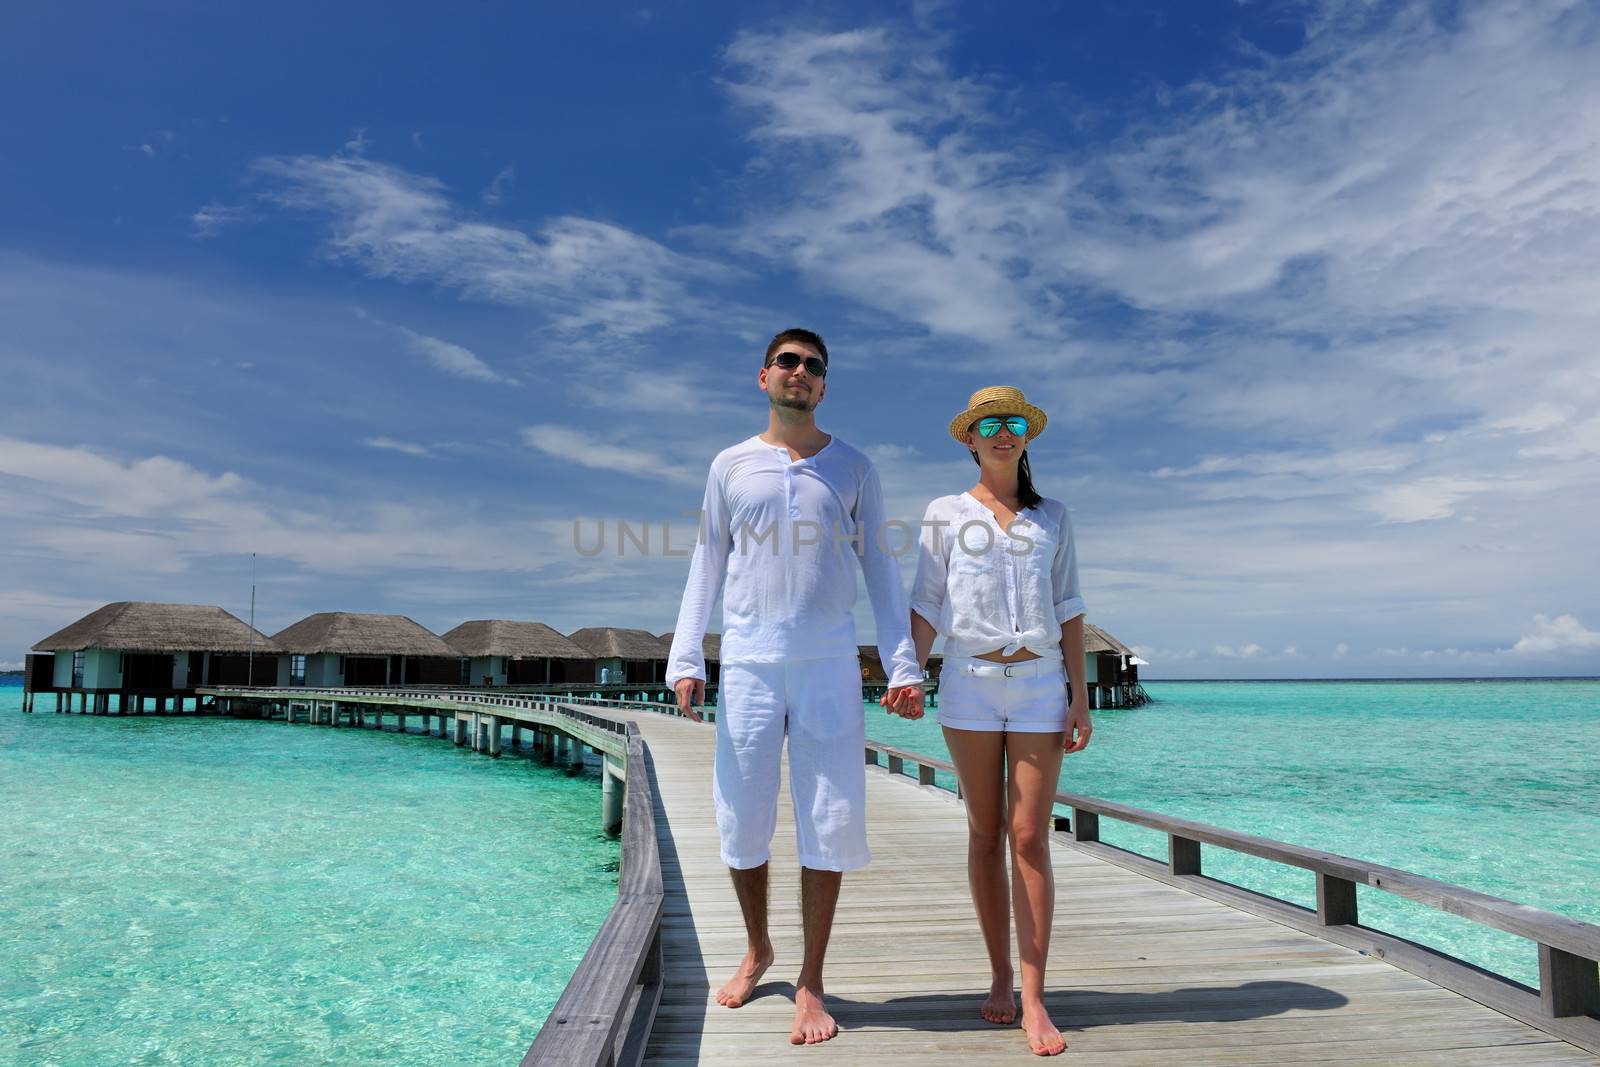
(997, 400)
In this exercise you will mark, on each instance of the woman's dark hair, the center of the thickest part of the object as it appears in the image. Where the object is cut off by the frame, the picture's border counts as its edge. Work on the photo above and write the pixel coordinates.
(1027, 495)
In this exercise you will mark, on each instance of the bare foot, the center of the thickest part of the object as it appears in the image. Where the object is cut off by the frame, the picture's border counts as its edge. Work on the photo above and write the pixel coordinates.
(1043, 1037)
(1000, 1007)
(812, 1023)
(745, 979)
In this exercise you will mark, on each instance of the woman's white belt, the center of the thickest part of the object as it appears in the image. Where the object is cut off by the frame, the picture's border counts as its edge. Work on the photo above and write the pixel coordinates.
(985, 668)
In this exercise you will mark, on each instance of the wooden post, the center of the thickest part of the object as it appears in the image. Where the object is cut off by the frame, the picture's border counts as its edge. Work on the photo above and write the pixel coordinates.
(610, 799)
(1183, 855)
(897, 765)
(1568, 984)
(1336, 900)
(925, 774)
(1085, 825)
(494, 735)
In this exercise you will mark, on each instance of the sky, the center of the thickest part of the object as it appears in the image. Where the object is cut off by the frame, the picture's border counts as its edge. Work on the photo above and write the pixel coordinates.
(400, 298)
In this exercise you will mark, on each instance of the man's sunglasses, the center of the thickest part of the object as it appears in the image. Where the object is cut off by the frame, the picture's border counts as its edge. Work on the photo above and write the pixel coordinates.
(790, 360)
(990, 426)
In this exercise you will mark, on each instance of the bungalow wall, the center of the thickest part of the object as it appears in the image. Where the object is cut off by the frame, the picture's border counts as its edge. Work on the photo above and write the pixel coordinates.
(488, 670)
(102, 669)
(324, 670)
(38, 672)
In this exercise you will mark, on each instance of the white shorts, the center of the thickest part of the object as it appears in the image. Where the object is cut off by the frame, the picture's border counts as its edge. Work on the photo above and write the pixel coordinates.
(1021, 698)
(818, 704)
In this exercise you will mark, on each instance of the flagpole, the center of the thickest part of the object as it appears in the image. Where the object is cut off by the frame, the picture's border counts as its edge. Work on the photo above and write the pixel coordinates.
(250, 660)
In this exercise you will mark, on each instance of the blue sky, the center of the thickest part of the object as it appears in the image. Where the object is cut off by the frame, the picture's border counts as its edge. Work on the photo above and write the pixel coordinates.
(393, 298)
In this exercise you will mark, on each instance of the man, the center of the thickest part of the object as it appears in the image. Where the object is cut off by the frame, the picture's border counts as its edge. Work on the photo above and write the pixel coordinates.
(780, 509)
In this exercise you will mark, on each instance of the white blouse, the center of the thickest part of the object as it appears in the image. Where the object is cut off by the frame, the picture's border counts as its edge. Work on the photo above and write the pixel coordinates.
(988, 588)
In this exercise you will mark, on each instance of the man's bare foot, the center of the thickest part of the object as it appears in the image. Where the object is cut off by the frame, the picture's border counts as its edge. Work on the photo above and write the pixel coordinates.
(745, 979)
(1043, 1037)
(812, 1023)
(1000, 1007)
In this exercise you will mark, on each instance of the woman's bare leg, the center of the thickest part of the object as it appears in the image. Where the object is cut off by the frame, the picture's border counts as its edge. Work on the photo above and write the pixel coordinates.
(1033, 762)
(979, 757)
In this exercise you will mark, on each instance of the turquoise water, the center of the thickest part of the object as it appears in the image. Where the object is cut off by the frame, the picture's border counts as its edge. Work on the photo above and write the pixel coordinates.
(219, 892)
(1490, 785)
(205, 891)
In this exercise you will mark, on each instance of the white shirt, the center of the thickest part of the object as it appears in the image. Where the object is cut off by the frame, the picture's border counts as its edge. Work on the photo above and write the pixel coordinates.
(785, 534)
(986, 588)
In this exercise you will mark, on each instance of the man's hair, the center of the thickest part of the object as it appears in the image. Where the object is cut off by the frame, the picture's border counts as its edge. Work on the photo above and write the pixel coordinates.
(805, 337)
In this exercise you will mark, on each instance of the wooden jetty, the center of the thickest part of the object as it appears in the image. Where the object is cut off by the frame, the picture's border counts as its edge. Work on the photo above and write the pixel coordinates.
(1152, 963)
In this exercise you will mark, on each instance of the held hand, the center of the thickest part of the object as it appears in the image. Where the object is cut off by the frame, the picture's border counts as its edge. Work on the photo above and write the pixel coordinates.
(904, 701)
(691, 694)
(1078, 727)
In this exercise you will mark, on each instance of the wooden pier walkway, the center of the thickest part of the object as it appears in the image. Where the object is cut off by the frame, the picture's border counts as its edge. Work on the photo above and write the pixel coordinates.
(1152, 963)
(1142, 973)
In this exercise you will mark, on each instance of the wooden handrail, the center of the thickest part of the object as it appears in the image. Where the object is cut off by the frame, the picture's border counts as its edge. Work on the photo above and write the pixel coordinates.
(1567, 1002)
(604, 1015)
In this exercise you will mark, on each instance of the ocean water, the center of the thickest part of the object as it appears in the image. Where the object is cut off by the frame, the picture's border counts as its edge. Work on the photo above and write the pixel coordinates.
(205, 891)
(219, 892)
(1492, 785)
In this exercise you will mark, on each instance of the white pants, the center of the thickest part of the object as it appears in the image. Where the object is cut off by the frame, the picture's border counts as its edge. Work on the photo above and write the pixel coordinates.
(818, 704)
(1021, 698)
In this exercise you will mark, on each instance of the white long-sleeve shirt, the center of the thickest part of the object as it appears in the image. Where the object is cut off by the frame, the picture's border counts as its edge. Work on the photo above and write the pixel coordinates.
(986, 588)
(786, 535)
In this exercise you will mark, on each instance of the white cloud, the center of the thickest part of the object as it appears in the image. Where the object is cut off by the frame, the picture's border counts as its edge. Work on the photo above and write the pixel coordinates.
(1427, 498)
(452, 358)
(585, 275)
(212, 219)
(390, 444)
(495, 191)
(1561, 635)
(573, 444)
(149, 487)
(158, 513)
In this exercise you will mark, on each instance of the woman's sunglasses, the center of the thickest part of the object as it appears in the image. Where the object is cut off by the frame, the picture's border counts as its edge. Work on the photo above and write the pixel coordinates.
(790, 360)
(990, 426)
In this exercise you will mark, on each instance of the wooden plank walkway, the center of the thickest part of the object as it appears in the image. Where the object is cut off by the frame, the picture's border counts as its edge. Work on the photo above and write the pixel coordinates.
(1142, 973)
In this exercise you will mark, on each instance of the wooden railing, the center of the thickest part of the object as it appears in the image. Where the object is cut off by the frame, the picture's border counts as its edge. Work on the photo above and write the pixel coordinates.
(604, 1015)
(1566, 1004)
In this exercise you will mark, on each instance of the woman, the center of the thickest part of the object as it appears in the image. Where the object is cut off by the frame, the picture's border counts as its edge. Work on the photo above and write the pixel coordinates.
(997, 575)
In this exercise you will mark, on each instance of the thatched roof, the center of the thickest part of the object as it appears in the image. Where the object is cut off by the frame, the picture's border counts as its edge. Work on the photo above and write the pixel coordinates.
(353, 634)
(136, 626)
(710, 647)
(612, 641)
(1097, 640)
(516, 640)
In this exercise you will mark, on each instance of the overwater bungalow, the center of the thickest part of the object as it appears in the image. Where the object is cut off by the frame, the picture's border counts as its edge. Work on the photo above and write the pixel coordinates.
(624, 655)
(134, 650)
(1111, 669)
(508, 652)
(710, 648)
(345, 648)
